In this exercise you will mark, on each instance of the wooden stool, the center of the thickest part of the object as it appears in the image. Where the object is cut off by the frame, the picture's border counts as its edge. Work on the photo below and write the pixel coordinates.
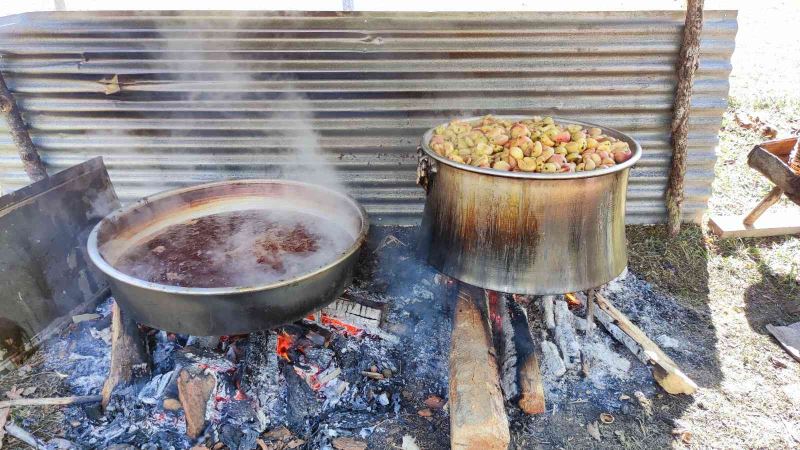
(771, 158)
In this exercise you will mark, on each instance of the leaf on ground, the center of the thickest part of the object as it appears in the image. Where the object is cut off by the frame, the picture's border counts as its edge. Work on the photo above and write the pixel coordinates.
(594, 431)
(14, 393)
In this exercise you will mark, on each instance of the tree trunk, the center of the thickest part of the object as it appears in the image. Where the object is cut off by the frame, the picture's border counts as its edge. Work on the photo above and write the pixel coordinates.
(34, 166)
(687, 65)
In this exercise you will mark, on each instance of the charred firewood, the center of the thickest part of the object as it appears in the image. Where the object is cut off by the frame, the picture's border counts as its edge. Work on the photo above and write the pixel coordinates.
(520, 376)
(565, 336)
(195, 387)
(128, 356)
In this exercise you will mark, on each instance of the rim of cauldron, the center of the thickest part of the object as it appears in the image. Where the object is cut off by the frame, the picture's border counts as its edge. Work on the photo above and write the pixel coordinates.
(101, 263)
(636, 151)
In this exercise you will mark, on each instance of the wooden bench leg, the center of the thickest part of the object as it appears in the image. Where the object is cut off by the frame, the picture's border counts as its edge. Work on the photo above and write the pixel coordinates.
(771, 198)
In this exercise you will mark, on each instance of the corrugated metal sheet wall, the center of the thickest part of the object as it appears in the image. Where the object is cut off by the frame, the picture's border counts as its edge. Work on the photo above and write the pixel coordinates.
(203, 96)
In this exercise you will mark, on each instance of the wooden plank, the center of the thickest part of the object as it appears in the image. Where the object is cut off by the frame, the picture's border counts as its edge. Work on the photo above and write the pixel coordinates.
(478, 417)
(665, 371)
(773, 224)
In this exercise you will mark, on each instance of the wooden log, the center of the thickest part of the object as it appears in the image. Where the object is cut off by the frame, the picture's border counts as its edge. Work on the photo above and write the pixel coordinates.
(665, 371)
(127, 352)
(31, 161)
(771, 159)
(477, 415)
(565, 336)
(687, 65)
(195, 387)
(765, 203)
(520, 377)
(50, 401)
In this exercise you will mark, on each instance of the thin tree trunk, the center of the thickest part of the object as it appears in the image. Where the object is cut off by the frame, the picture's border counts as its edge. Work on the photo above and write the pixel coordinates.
(687, 65)
(34, 166)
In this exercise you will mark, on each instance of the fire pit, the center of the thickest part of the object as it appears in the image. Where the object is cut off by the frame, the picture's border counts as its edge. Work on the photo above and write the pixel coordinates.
(230, 257)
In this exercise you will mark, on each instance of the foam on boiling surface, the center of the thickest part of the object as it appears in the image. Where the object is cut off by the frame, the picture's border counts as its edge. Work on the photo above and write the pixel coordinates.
(235, 249)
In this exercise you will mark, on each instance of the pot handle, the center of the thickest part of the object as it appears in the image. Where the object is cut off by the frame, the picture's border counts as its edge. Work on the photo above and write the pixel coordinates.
(426, 169)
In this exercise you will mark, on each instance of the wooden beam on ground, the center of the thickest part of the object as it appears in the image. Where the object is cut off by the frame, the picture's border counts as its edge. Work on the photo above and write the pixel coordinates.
(478, 417)
(31, 161)
(687, 65)
(665, 371)
(127, 352)
(772, 224)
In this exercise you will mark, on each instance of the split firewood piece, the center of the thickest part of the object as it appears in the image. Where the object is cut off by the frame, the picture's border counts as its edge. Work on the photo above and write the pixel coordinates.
(665, 371)
(127, 352)
(565, 336)
(477, 414)
(195, 387)
(520, 377)
(547, 306)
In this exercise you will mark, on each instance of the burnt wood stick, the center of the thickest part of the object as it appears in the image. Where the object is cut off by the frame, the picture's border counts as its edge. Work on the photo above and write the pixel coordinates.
(520, 376)
(590, 311)
(547, 308)
(127, 352)
(477, 415)
(687, 65)
(31, 161)
(529, 377)
(665, 371)
(565, 336)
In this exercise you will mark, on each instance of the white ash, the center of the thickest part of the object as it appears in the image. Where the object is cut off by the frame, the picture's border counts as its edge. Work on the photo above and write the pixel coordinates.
(666, 341)
(552, 365)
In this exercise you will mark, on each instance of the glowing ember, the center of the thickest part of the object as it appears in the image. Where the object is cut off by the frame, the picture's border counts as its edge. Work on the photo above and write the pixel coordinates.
(494, 302)
(347, 328)
(573, 302)
(285, 341)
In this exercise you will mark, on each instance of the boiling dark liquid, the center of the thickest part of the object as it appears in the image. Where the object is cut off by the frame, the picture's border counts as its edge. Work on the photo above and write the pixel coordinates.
(242, 248)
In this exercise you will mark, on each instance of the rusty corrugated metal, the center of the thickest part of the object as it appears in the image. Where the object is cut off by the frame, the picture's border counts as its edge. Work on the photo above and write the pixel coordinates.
(203, 94)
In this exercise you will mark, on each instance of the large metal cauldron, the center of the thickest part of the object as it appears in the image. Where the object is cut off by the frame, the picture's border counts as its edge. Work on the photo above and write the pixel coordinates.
(526, 233)
(226, 310)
